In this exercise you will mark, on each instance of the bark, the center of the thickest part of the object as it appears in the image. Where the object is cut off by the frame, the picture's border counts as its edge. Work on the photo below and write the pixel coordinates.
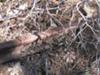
(14, 49)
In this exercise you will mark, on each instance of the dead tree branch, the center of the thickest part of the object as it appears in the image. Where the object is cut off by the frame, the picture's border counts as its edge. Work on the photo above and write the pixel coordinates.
(13, 49)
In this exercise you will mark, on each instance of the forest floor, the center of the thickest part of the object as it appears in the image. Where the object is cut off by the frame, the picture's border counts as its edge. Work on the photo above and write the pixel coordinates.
(66, 33)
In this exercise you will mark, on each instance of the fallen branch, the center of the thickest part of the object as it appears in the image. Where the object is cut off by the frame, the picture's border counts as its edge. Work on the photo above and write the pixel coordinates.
(13, 49)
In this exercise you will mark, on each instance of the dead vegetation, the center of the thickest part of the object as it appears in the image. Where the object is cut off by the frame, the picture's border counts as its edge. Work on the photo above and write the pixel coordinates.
(49, 37)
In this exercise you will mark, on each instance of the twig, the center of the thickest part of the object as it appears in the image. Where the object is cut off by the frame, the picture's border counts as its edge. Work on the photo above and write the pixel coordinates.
(85, 19)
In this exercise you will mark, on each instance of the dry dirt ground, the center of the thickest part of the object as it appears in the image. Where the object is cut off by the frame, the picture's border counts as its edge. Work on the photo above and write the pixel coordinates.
(73, 48)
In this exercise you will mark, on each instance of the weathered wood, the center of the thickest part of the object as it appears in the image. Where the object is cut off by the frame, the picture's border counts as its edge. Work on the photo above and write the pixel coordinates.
(14, 49)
